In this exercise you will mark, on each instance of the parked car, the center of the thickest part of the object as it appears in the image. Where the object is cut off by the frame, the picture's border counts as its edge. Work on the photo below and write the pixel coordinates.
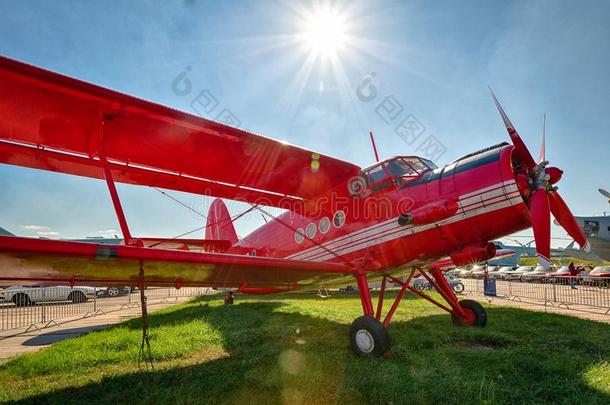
(517, 274)
(29, 295)
(478, 272)
(422, 284)
(501, 272)
(504, 272)
(114, 291)
(562, 275)
(539, 274)
(464, 272)
(494, 272)
(600, 276)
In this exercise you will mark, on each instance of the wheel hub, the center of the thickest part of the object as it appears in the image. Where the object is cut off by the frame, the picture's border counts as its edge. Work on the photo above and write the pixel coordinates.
(469, 317)
(365, 341)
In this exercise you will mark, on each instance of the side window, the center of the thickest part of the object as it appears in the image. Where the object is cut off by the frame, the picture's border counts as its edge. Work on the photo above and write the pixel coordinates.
(299, 235)
(310, 231)
(339, 219)
(324, 225)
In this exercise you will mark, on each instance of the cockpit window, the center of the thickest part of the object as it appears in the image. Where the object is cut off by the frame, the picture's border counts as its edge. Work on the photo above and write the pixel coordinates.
(375, 174)
(430, 164)
(395, 171)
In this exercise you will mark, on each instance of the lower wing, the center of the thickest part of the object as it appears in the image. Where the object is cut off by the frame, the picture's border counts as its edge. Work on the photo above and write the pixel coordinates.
(28, 260)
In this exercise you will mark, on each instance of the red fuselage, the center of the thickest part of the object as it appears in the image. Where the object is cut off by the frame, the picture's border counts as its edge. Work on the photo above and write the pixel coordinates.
(489, 206)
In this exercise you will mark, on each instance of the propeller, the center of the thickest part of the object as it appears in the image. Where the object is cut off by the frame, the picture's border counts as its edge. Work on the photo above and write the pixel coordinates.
(605, 194)
(540, 193)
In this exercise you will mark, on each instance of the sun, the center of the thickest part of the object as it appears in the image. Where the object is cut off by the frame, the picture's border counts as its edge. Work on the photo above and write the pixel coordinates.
(324, 31)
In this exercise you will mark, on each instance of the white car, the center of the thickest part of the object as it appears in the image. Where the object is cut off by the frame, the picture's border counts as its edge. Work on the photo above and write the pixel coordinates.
(540, 274)
(520, 272)
(23, 296)
(504, 272)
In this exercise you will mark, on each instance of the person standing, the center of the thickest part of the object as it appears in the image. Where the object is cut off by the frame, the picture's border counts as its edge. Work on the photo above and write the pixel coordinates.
(229, 298)
(573, 275)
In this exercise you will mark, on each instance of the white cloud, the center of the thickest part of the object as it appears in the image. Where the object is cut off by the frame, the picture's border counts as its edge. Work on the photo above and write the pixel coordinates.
(35, 227)
(108, 233)
(47, 233)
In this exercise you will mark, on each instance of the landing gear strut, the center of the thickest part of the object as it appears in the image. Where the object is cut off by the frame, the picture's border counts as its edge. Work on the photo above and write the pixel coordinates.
(368, 334)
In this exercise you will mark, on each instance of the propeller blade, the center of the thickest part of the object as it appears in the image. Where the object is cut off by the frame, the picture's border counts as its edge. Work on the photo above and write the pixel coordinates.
(541, 223)
(521, 151)
(604, 193)
(564, 216)
(542, 152)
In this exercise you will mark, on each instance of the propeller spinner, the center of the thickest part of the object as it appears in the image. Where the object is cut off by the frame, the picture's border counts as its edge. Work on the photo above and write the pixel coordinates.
(540, 193)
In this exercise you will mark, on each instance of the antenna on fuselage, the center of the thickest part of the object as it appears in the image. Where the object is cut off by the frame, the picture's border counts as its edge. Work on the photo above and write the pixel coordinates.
(374, 146)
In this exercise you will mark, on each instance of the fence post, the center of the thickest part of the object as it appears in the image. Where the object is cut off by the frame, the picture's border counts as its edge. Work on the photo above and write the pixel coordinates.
(44, 305)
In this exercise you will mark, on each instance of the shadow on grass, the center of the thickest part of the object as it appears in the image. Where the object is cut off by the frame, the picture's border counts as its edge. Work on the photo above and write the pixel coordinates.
(274, 356)
(48, 338)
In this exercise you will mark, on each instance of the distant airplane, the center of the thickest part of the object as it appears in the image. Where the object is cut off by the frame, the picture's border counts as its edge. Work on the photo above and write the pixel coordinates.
(597, 230)
(527, 250)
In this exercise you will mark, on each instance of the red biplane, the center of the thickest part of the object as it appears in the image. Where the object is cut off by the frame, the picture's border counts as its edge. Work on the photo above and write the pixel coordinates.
(390, 221)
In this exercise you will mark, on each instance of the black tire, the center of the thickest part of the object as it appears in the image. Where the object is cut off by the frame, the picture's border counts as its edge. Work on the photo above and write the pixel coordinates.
(113, 292)
(22, 300)
(369, 337)
(77, 297)
(458, 288)
(476, 309)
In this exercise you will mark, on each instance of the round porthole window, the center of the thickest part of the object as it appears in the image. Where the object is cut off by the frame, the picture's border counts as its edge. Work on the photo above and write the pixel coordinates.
(339, 219)
(310, 231)
(324, 225)
(299, 235)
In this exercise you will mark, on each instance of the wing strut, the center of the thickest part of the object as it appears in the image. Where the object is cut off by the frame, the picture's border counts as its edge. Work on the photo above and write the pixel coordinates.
(116, 202)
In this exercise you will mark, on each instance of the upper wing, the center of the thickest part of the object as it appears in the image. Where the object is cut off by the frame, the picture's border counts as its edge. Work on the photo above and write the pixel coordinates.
(26, 260)
(53, 122)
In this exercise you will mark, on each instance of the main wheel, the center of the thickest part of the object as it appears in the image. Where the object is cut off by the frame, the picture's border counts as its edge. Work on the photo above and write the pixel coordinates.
(113, 291)
(475, 314)
(369, 337)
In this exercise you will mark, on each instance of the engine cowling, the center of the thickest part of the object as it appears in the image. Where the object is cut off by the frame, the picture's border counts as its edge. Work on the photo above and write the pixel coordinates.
(474, 254)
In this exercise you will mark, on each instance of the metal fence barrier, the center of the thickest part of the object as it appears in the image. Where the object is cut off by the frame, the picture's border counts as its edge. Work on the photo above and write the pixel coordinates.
(40, 307)
(591, 295)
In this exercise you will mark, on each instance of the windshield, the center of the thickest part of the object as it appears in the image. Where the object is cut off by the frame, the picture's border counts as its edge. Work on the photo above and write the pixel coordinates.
(399, 167)
(395, 171)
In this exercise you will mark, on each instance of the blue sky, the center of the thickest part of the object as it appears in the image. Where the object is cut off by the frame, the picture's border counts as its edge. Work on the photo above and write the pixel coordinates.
(433, 60)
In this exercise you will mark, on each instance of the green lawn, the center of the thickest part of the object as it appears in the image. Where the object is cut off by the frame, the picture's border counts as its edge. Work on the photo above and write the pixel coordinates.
(294, 348)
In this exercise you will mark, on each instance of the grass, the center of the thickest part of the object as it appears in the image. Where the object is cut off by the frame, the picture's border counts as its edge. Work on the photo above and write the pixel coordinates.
(293, 348)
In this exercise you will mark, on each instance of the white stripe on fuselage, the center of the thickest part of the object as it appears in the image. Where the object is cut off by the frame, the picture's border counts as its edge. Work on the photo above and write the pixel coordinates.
(491, 198)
